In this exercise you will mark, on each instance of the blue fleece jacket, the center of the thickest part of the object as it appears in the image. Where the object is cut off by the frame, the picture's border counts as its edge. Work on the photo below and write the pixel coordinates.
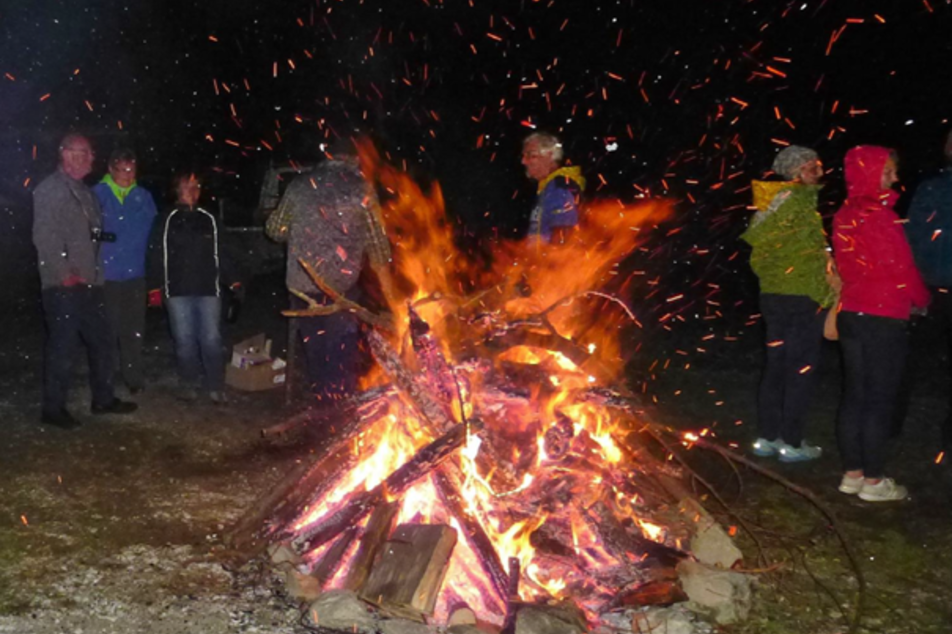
(131, 221)
(930, 229)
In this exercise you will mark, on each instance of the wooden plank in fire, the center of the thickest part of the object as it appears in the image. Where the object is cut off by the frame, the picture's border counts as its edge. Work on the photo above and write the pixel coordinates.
(411, 568)
(378, 529)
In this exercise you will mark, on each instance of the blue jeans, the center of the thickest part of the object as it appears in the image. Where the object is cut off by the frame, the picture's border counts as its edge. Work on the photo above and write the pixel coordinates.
(76, 314)
(195, 323)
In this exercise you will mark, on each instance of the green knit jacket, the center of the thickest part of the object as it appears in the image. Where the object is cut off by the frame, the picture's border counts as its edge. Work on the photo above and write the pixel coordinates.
(789, 245)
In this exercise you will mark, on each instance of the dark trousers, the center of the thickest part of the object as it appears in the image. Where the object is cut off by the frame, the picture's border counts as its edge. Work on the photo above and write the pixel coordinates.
(874, 358)
(333, 348)
(794, 325)
(196, 328)
(125, 308)
(76, 314)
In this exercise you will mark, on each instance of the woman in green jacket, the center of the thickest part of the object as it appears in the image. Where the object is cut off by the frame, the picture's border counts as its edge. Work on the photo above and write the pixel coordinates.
(791, 260)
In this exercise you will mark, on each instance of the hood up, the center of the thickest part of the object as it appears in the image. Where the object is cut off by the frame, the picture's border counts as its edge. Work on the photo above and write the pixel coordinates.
(863, 168)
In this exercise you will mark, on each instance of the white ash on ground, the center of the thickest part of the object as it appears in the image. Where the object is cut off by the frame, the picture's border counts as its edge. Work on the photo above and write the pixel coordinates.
(168, 590)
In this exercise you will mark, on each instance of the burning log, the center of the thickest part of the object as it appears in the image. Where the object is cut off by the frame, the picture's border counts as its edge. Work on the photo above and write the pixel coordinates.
(623, 543)
(411, 570)
(658, 592)
(333, 558)
(446, 480)
(261, 524)
(378, 528)
(359, 505)
(429, 408)
(438, 372)
(512, 597)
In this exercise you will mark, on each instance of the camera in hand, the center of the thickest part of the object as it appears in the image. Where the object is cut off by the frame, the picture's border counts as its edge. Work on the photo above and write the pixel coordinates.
(98, 235)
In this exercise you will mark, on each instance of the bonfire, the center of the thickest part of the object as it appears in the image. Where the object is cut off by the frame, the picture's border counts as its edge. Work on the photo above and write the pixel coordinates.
(492, 461)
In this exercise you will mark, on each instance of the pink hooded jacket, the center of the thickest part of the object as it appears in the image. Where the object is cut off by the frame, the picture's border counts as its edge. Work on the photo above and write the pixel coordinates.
(872, 254)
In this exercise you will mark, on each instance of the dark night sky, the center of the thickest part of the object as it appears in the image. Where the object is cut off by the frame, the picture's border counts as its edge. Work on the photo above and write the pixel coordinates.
(688, 98)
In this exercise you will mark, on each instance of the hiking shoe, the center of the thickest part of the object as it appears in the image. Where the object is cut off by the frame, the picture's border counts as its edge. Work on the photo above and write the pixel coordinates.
(850, 485)
(802, 453)
(765, 448)
(115, 407)
(218, 397)
(60, 418)
(885, 491)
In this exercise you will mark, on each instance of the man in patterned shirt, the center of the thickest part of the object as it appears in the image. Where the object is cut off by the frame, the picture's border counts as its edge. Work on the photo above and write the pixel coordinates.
(327, 218)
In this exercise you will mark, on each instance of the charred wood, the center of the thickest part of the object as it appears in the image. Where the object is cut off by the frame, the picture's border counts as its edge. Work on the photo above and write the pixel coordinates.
(331, 560)
(419, 396)
(438, 373)
(293, 491)
(447, 480)
(512, 598)
(360, 504)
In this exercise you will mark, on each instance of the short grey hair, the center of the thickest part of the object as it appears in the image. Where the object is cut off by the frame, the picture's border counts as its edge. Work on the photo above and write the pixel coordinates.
(791, 159)
(549, 145)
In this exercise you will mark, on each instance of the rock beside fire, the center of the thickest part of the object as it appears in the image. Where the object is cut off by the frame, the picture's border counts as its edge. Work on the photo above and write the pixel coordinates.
(547, 620)
(673, 620)
(721, 595)
(281, 553)
(712, 545)
(465, 629)
(400, 626)
(300, 586)
(341, 610)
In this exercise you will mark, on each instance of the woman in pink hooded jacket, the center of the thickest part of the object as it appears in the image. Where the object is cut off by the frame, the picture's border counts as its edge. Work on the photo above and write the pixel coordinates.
(881, 286)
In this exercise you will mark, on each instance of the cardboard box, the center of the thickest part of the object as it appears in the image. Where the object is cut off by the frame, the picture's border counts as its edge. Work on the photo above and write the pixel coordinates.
(252, 369)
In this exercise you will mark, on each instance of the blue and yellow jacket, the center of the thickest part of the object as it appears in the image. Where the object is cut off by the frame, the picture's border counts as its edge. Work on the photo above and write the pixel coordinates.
(556, 203)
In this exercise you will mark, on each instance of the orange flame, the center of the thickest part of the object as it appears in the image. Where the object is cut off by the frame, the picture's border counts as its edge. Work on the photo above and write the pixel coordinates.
(574, 329)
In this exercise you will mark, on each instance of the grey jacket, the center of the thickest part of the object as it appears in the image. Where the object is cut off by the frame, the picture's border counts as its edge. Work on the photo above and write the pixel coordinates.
(327, 216)
(65, 213)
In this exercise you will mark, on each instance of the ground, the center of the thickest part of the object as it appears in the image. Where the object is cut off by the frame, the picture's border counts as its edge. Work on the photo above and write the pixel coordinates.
(113, 528)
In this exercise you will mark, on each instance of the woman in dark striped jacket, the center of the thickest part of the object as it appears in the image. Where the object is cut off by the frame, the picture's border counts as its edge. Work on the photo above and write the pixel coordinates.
(187, 240)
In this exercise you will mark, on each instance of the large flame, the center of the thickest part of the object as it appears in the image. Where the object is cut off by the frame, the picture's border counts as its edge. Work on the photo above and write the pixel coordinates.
(529, 448)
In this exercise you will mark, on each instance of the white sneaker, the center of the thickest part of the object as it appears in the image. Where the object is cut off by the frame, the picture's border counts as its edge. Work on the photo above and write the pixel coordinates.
(885, 491)
(850, 485)
(765, 448)
(802, 453)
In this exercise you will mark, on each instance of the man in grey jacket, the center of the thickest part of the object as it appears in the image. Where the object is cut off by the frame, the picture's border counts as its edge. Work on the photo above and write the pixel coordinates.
(67, 231)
